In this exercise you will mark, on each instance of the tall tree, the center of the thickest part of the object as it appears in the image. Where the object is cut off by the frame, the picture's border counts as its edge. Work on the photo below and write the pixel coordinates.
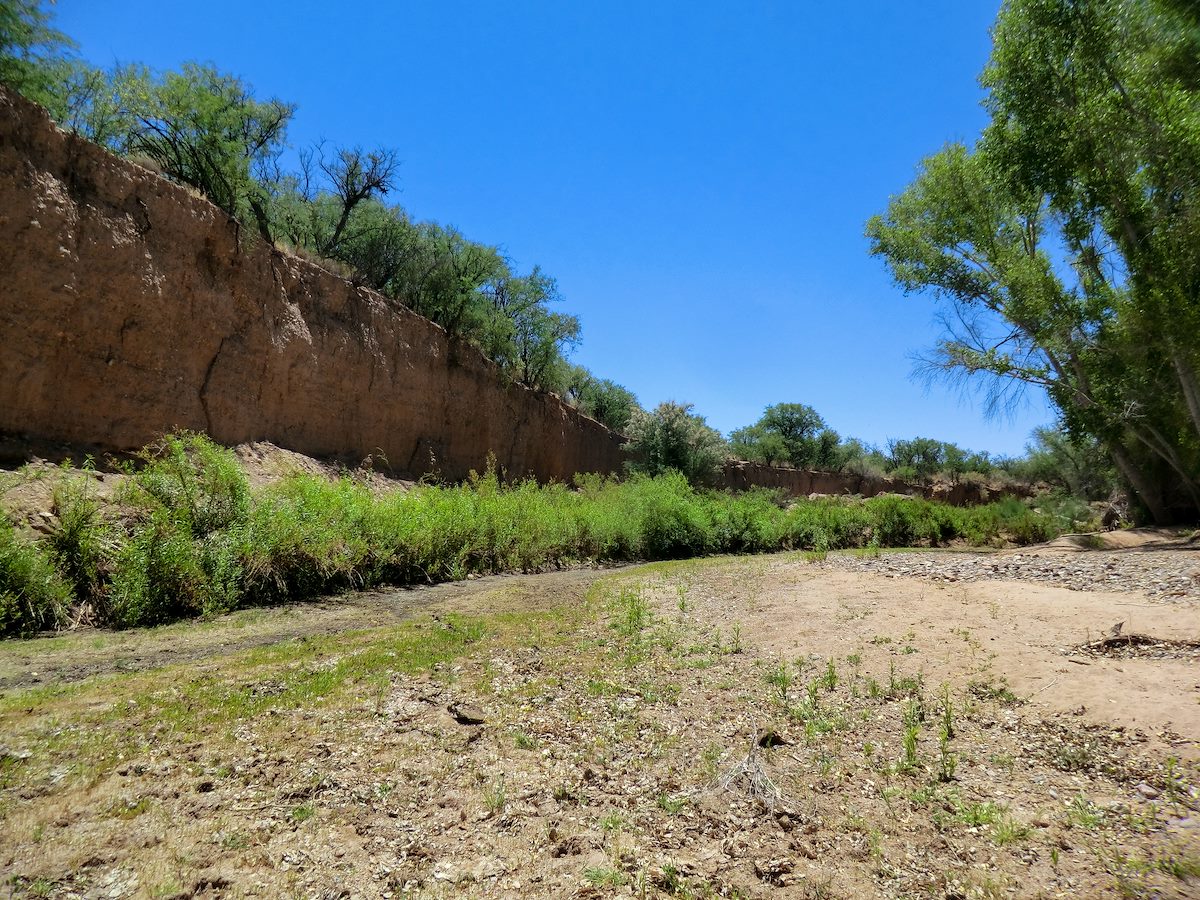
(1067, 242)
(205, 128)
(32, 53)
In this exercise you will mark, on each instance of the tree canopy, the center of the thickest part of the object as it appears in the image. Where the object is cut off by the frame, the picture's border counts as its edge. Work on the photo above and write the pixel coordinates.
(1065, 244)
(674, 437)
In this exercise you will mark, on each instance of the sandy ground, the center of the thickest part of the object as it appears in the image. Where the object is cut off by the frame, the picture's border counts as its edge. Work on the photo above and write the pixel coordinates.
(753, 727)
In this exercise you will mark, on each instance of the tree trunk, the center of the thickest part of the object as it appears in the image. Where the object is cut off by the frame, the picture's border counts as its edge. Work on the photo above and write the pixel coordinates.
(1187, 380)
(1147, 491)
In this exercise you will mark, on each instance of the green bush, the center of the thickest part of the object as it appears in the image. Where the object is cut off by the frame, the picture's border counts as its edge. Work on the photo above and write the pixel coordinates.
(184, 554)
(33, 596)
(193, 481)
(81, 542)
(196, 542)
(308, 536)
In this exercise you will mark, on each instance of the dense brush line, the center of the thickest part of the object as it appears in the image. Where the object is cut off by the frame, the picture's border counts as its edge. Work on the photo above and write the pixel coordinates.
(193, 540)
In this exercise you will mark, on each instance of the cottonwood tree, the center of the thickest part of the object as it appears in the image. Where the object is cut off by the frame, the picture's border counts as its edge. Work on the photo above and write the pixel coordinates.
(1066, 243)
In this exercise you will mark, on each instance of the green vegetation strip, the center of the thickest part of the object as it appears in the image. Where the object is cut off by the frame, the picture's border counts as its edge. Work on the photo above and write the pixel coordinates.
(192, 540)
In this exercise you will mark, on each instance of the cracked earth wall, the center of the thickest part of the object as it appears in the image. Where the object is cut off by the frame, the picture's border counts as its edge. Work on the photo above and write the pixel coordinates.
(129, 307)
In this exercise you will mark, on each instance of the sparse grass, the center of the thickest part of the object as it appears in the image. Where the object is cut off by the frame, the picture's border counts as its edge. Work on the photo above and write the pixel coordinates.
(303, 813)
(605, 877)
(652, 770)
(672, 805)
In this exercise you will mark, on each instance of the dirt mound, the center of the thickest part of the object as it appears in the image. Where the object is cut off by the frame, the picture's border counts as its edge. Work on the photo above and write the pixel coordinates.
(265, 463)
(1123, 539)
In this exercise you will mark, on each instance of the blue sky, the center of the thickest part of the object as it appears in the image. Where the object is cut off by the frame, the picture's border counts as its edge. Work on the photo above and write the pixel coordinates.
(695, 175)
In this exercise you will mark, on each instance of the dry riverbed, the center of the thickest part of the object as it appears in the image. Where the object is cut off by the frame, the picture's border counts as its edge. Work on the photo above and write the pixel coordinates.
(926, 724)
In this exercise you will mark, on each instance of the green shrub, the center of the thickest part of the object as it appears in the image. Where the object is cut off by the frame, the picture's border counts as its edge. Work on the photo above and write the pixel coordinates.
(670, 517)
(164, 573)
(308, 536)
(82, 543)
(192, 480)
(673, 437)
(184, 554)
(197, 543)
(33, 596)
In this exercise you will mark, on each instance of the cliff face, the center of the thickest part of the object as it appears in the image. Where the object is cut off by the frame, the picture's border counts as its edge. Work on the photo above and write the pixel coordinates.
(129, 306)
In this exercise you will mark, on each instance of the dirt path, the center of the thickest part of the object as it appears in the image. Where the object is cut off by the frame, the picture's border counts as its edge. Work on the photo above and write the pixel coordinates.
(753, 727)
(87, 652)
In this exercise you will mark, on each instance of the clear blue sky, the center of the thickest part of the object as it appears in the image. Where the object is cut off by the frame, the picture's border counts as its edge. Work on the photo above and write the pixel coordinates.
(696, 175)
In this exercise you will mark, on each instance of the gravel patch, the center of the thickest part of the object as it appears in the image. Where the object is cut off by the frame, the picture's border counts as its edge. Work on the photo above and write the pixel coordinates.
(1164, 575)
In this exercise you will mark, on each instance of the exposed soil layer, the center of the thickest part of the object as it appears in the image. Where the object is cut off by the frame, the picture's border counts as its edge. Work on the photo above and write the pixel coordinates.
(752, 727)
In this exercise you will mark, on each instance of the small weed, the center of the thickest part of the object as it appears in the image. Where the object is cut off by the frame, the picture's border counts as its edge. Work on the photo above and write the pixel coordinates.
(1072, 757)
(1003, 761)
(830, 677)
(672, 805)
(495, 796)
(235, 840)
(909, 761)
(523, 741)
(633, 612)
(1009, 831)
(947, 761)
(947, 712)
(612, 822)
(902, 686)
(989, 690)
(1082, 813)
(914, 711)
(976, 814)
(303, 813)
(130, 809)
(605, 877)
(564, 793)
(711, 759)
(1185, 867)
(735, 642)
(781, 679)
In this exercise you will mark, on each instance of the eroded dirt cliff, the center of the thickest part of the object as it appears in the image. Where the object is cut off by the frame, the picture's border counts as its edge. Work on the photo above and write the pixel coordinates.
(129, 306)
